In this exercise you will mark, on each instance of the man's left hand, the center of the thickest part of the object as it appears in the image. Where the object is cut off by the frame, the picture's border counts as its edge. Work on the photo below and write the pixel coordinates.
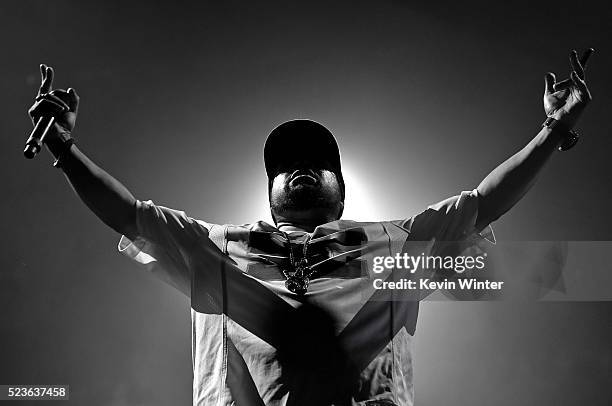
(565, 100)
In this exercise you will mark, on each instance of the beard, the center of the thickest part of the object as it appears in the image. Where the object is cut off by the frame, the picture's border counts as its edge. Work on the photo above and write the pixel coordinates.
(304, 197)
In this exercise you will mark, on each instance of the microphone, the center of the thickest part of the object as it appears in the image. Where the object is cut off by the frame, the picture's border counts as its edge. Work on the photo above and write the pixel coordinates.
(43, 124)
(37, 137)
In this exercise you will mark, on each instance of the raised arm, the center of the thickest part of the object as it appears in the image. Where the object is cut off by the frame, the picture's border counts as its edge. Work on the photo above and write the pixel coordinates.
(563, 101)
(104, 195)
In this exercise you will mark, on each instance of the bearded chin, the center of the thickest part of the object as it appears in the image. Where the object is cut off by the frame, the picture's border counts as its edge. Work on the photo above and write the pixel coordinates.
(303, 198)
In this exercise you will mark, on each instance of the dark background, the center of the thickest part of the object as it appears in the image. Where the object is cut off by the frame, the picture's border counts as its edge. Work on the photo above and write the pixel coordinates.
(176, 101)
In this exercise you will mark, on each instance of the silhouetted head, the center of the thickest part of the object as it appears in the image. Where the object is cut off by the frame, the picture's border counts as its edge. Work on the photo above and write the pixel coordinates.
(305, 183)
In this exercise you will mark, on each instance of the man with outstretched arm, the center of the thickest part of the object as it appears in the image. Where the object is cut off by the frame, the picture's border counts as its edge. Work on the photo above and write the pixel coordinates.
(286, 314)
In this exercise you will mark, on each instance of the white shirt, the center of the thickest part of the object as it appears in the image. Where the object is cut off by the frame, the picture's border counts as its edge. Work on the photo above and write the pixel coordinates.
(256, 343)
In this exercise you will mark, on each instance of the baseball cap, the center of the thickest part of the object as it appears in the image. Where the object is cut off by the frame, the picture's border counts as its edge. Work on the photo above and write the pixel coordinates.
(302, 140)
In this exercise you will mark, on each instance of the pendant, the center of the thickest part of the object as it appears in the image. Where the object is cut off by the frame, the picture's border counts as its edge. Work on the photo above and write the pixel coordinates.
(297, 284)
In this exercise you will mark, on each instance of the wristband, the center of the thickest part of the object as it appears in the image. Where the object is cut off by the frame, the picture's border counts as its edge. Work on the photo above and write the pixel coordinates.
(66, 142)
(570, 137)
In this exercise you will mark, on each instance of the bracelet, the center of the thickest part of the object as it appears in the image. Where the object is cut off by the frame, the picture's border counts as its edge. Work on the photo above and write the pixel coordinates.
(571, 137)
(66, 144)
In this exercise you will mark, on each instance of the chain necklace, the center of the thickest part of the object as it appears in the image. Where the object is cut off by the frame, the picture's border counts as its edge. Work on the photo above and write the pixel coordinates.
(298, 280)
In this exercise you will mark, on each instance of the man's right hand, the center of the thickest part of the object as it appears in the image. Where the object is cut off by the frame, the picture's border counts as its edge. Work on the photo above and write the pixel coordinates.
(51, 102)
(104, 195)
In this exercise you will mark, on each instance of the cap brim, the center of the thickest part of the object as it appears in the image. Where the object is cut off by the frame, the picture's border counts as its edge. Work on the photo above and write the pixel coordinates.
(298, 141)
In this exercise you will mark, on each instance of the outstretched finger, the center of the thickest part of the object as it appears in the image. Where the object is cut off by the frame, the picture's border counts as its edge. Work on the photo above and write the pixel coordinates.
(47, 74)
(585, 57)
(549, 83)
(576, 65)
(43, 76)
(580, 84)
(43, 72)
